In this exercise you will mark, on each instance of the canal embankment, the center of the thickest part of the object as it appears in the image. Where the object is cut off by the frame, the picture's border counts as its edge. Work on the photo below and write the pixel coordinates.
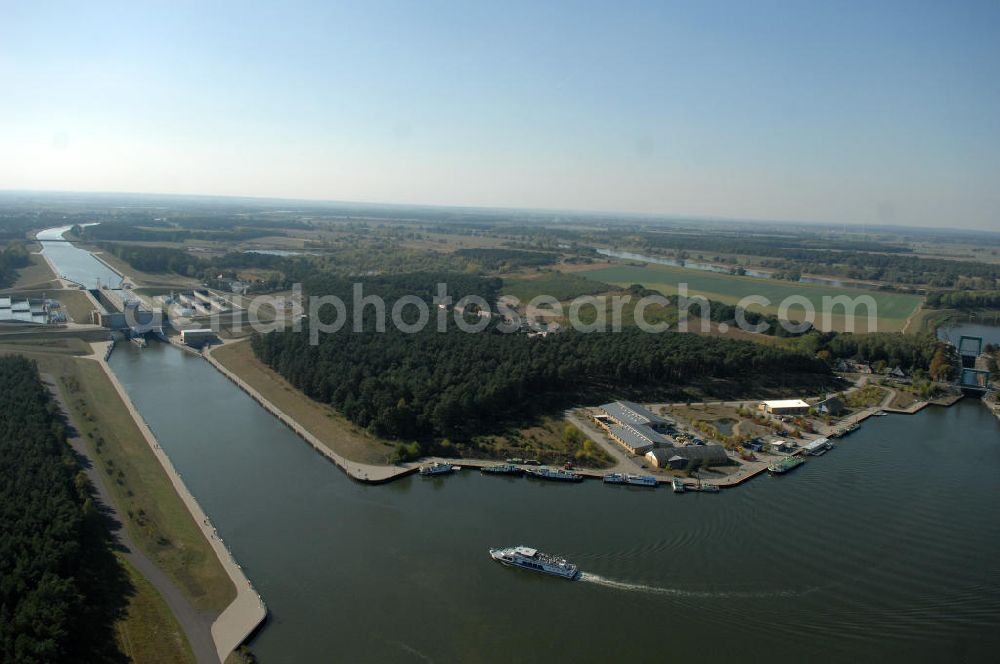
(362, 472)
(247, 611)
(188, 619)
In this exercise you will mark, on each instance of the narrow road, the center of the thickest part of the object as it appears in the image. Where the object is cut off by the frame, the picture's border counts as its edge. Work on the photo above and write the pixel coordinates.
(624, 463)
(197, 626)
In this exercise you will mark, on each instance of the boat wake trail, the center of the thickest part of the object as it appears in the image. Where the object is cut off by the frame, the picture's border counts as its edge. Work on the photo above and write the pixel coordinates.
(677, 592)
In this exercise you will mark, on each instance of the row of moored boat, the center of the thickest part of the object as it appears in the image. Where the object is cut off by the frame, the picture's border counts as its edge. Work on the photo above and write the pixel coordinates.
(566, 475)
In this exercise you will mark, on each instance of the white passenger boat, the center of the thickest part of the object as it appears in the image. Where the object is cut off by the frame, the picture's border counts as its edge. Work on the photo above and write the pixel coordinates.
(534, 560)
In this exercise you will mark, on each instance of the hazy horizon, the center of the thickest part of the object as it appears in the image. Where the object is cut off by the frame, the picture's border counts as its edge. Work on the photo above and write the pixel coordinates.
(874, 114)
(622, 216)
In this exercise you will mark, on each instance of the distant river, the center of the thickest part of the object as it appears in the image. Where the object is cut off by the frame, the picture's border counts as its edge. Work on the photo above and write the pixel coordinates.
(884, 550)
(76, 264)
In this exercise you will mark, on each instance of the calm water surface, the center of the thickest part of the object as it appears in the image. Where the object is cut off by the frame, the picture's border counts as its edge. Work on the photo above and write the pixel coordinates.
(990, 333)
(74, 263)
(886, 549)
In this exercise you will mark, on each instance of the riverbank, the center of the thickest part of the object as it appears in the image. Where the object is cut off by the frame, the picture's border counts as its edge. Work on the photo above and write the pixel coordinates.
(361, 471)
(376, 474)
(325, 429)
(247, 611)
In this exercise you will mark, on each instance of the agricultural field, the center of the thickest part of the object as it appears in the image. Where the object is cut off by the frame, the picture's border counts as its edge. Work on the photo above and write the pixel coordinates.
(893, 308)
(559, 285)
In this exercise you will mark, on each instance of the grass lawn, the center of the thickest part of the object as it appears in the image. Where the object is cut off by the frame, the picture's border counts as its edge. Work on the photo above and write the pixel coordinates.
(548, 441)
(321, 420)
(903, 399)
(63, 346)
(77, 304)
(36, 276)
(893, 308)
(866, 397)
(139, 278)
(158, 521)
(149, 632)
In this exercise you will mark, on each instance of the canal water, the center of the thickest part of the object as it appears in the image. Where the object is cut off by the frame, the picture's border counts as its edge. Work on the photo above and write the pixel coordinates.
(74, 263)
(884, 549)
(989, 332)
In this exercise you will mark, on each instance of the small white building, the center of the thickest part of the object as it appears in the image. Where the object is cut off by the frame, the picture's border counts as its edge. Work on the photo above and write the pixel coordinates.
(197, 337)
(817, 447)
(784, 407)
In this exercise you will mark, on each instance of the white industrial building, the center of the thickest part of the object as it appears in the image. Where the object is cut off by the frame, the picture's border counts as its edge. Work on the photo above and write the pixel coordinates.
(784, 407)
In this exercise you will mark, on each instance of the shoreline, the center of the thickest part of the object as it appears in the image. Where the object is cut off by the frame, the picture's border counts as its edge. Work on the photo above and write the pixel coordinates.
(247, 611)
(380, 474)
(362, 472)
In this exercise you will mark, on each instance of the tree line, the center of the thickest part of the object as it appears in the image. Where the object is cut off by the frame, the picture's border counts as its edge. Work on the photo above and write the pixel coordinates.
(963, 299)
(433, 385)
(12, 257)
(855, 260)
(495, 259)
(131, 233)
(61, 588)
(909, 352)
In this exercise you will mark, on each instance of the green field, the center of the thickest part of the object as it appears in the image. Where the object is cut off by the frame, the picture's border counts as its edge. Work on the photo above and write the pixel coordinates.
(560, 285)
(893, 308)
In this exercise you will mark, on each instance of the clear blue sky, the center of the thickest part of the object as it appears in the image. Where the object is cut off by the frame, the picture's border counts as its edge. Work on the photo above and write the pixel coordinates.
(854, 112)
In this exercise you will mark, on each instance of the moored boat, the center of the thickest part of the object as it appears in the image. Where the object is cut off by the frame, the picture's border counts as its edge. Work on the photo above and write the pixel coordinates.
(437, 468)
(640, 480)
(534, 560)
(614, 478)
(786, 464)
(708, 488)
(501, 469)
(678, 485)
(547, 473)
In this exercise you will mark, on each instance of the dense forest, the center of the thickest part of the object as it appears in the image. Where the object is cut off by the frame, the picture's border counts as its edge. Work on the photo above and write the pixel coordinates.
(494, 259)
(12, 257)
(131, 233)
(430, 385)
(761, 244)
(61, 588)
(910, 352)
(284, 270)
(963, 300)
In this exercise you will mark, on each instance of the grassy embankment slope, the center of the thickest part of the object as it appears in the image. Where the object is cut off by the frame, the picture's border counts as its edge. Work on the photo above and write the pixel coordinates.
(893, 308)
(331, 428)
(166, 280)
(149, 632)
(158, 521)
(36, 276)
